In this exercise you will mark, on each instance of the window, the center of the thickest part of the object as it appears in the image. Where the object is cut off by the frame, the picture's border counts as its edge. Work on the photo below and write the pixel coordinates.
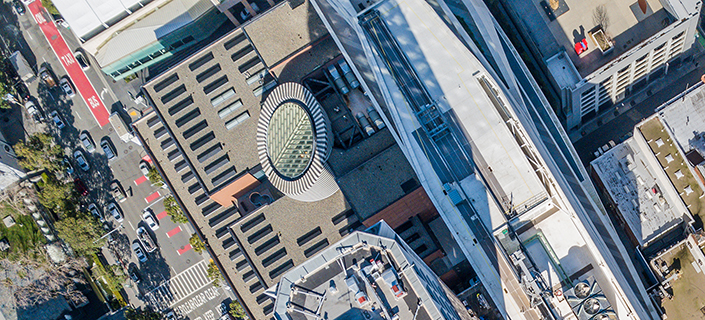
(229, 109)
(237, 120)
(217, 100)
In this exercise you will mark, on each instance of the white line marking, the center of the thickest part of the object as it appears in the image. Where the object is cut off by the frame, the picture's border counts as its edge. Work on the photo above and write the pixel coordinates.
(78, 115)
(131, 226)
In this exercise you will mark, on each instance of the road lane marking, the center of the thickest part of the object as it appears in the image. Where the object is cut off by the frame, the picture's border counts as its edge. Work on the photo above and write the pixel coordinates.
(173, 232)
(131, 226)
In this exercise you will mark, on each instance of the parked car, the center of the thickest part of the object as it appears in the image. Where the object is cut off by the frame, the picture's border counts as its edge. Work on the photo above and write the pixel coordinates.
(245, 14)
(19, 8)
(67, 164)
(117, 192)
(348, 74)
(22, 90)
(93, 209)
(33, 111)
(47, 77)
(115, 212)
(81, 59)
(337, 79)
(86, 141)
(144, 167)
(146, 239)
(138, 252)
(134, 275)
(148, 217)
(108, 149)
(81, 160)
(80, 187)
(57, 120)
(66, 85)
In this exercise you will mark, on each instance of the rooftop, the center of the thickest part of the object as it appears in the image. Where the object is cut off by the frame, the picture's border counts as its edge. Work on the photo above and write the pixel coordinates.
(637, 190)
(674, 164)
(363, 276)
(88, 16)
(685, 118)
(560, 24)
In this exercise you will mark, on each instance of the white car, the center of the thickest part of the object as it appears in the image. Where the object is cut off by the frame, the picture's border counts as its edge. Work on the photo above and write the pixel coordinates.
(57, 120)
(81, 160)
(148, 217)
(67, 87)
(81, 59)
(144, 167)
(115, 212)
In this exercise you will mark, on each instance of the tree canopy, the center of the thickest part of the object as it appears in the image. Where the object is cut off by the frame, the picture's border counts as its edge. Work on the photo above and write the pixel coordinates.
(236, 310)
(39, 152)
(139, 314)
(214, 274)
(196, 243)
(174, 211)
(82, 232)
(56, 196)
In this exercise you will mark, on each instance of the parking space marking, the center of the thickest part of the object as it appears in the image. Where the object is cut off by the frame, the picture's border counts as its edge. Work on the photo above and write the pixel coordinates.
(140, 180)
(147, 158)
(162, 215)
(173, 232)
(185, 249)
(152, 197)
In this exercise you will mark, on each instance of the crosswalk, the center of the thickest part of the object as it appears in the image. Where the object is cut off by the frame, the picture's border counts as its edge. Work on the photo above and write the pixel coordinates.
(179, 287)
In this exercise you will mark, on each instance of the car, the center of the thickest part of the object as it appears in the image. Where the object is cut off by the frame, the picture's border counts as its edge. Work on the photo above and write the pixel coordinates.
(34, 111)
(170, 316)
(146, 239)
(245, 14)
(148, 217)
(348, 74)
(115, 212)
(80, 187)
(93, 209)
(223, 308)
(19, 8)
(86, 141)
(81, 160)
(137, 248)
(134, 275)
(66, 85)
(108, 149)
(144, 167)
(57, 120)
(47, 77)
(337, 79)
(22, 90)
(63, 23)
(81, 59)
(117, 192)
(67, 164)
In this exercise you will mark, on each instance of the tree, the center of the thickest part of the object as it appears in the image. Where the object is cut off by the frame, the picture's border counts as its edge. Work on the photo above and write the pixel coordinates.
(56, 195)
(60, 280)
(50, 7)
(39, 152)
(196, 243)
(174, 211)
(6, 87)
(236, 310)
(139, 314)
(82, 232)
(214, 273)
(154, 177)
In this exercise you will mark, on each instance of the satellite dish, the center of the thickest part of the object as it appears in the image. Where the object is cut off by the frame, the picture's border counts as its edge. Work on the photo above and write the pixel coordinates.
(643, 6)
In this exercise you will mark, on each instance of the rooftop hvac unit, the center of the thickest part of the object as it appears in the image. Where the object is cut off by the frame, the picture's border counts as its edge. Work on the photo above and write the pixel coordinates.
(588, 302)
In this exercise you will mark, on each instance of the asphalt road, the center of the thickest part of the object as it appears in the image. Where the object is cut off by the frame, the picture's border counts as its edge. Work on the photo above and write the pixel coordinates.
(173, 267)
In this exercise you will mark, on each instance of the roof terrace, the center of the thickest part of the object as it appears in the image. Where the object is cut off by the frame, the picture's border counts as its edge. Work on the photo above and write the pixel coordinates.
(610, 28)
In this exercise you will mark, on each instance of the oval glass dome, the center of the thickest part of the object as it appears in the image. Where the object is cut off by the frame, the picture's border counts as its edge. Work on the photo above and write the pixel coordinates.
(290, 139)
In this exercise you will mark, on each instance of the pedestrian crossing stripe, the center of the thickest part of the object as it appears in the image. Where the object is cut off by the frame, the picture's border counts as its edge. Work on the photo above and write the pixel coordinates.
(179, 287)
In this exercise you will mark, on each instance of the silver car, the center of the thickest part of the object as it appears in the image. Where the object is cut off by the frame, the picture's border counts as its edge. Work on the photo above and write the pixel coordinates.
(115, 212)
(138, 252)
(57, 120)
(86, 141)
(65, 85)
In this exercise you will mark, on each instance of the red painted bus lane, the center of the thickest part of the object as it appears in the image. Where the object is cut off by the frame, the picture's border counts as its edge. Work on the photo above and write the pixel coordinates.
(62, 51)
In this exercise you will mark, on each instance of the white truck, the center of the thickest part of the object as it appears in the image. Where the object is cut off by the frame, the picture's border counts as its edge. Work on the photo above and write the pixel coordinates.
(21, 66)
(121, 127)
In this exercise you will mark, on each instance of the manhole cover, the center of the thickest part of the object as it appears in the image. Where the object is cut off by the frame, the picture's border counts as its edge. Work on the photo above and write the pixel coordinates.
(188, 261)
(124, 151)
(130, 147)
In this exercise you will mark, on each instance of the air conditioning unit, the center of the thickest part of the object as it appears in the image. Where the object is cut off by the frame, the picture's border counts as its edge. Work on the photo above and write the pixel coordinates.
(588, 302)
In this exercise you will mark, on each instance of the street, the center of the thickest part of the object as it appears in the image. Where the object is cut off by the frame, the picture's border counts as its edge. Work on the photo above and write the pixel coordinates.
(174, 265)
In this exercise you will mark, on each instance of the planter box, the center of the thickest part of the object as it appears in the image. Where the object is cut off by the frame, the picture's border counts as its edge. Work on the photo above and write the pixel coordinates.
(603, 42)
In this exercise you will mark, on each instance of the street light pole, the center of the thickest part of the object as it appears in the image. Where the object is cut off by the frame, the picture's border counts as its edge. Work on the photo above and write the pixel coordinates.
(121, 226)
